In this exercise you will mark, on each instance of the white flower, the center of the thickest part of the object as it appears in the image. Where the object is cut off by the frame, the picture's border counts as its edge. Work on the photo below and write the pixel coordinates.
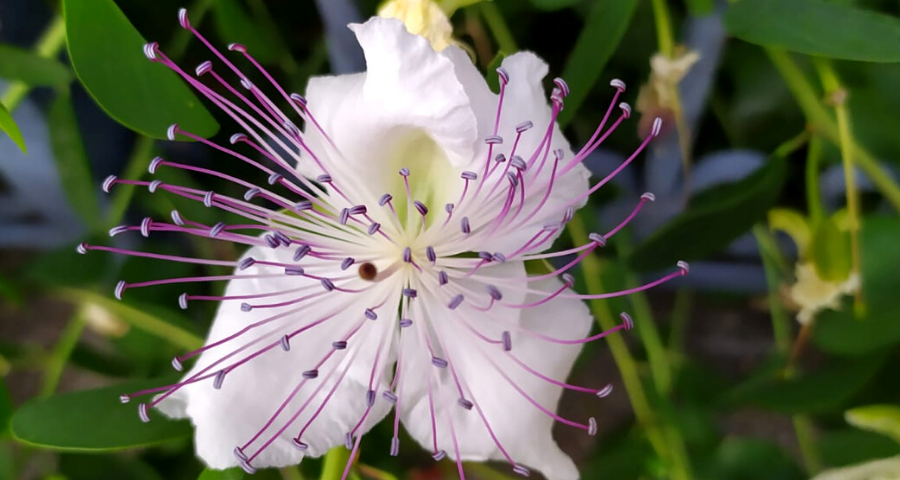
(390, 271)
(884, 469)
(813, 294)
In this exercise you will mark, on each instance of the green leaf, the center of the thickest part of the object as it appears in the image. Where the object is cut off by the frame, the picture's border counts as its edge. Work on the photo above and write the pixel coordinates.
(8, 125)
(739, 459)
(557, 4)
(105, 467)
(715, 218)
(106, 52)
(238, 474)
(810, 27)
(31, 68)
(236, 25)
(829, 251)
(71, 160)
(850, 446)
(94, 421)
(5, 407)
(700, 7)
(603, 30)
(883, 419)
(493, 80)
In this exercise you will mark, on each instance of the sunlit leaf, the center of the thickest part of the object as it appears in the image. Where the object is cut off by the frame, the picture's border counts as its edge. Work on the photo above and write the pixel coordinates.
(8, 125)
(883, 419)
(31, 68)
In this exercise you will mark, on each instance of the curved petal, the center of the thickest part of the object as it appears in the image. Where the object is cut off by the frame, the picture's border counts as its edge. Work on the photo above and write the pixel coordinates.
(522, 430)
(252, 393)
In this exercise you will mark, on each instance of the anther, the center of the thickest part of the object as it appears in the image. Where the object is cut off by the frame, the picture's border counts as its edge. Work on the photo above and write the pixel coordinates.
(294, 271)
(405, 323)
(150, 50)
(649, 197)
(626, 321)
(387, 197)
(486, 256)
(310, 374)
(216, 229)
(448, 208)
(499, 158)
(170, 133)
(570, 213)
(524, 126)
(439, 362)
(299, 99)
(282, 238)
(303, 205)
(183, 18)
(657, 126)
(117, 230)
(218, 379)
(358, 210)
(373, 228)
(559, 153)
(237, 137)
(423, 210)
(203, 68)
(503, 74)
(176, 364)
(145, 226)
(389, 396)
(370, 398)
(513, 179)
(142, 413)
(592, 426)
(598, 239)
(327, 284)
(457, 300)
(272, 241)
(183, 303)
(395, 446)
(467, 175)
(464, 225)
(108, 183)
(249, 194)
(246, 307)
(288, 125)
(124, 398)
(120, 289)
(274, 178)
(176, 218)
(410, 293)
(237, 47)
(347, 263)
(498, 257)
(521, 470)
(465, 403)
(439, 455)
(240, 454)
(301, 252)
(429, 254)
(348, 441)
(493, 140)
(605, 391)
(249, 469)
(517, 162)
(626, 109)
(371, 315)
(154, 185)
(299, 445)
(404, 172)
(617, 84)
(246, 263)
(407, 255)
(286, 343)
(324, 178)
(82, 247)
(506, 338)
(339, 345)
(208, 198)
(568, 279)
(685, 268)
(494, 292)
(154, 164)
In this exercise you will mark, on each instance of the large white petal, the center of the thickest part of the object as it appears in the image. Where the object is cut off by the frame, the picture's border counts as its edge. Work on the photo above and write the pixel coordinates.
(252, 393)
(522, 429)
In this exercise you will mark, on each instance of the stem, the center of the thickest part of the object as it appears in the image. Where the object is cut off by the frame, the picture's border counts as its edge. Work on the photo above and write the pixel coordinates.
(495, 22)
(681, 310)
(60, 355)
(47, 46)
(813, 196)
(664, 37)
(335, 461)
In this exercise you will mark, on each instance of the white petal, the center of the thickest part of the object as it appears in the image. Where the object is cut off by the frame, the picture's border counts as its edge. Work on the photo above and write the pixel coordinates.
(522, 429)
(252, 392)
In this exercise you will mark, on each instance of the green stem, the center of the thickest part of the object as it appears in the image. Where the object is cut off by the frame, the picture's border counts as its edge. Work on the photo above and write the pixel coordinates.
(335, 461)
(60, 355)
(48, 46)
(680, 315)
(813, 195)
(664, 37)
(491, 14)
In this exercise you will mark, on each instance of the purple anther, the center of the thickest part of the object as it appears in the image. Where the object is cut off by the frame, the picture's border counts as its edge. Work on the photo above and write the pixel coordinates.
(626, 109)
(246, 467)
(404, 172)
(626, 321)
(108, 183)
(339, 345)
(499, 158)
(310, 374)
(208, 198)
(649, 197)
(237, 137)
(358, 210)
(286, 343)
(685, 268)
(592, 426)
(249, 194)
(410, 293)
(498, 257)
(467, 175)
(117, 230)
(246, 263)
(348, 441)
(389, 396)
(569, 214)
(551, 227)
(605, 391)
(455, 302)
(429, 254)
(494, 292)
(239, 454)
(407, 255)
(617, 84)
(124, 398)
(405, 323)
(524, 126)
(506, 339)
(172, 130)
(294, 271)
(142, 413)
(274, 178)
(513, 179)
(303, 205)
(559, 153)
(464, 225)
(176, 364)
(176, 218)
(657, 126)
(219, 378)
(347, 263)
(521, 470)
(443, 278)
(150, 50)
(395, 446)
(237, 47)
(568, 279)
(246, 307)
(439, 362)
(423, 210)
(486, 256)
(292, 129)
(301, 252)
(154, 165)
(562, 86)
(272, 241)
(324, 178)
(598, 239)
(183, 303)
(370, 314)
(556, 97)
(503, 74)
(300, 445)
(327, 284)
(518, 162)
(493, 140)
(154, 185)
(448, 208)
(465, 403)
(183, 18)
(438, 455)
(370, 398)
(374, 228)
(299, 100)
(387, 197)
(216, 229)
(203, 68)
(145, 226)
(283, 238)
(120, 289)
(82, 247)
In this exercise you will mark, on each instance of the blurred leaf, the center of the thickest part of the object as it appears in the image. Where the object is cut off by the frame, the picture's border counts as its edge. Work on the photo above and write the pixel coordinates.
(6, 407)
(809, 26)
(627, 459)
(64, 267)
(739, 459)
(71, 160)
(493, 80)
(829, 251)
(603, 30)
(235, 24)
(105, 467)
(106, 52)
(700, 7)
(8, 125)
(7, 462)
(9, 292)
(238, 474)
(93, 420)
(883, 419)
(558, 4)
(793, 224)
(714, 219)
(31, 68)
(850, 446)
(824, 391)
(94, 360)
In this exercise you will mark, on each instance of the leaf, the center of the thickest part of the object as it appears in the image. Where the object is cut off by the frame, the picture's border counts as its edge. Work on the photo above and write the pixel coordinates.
(238, 474)
(829, 251)
(810, 26)
(793, 224)
(8, 125)
(93, 421)
(557, 4)
(71, 160)
(106, 53)
(715, 218)
(700, 7)
(31, 68)
(5, 407)
(105, 467)
(851, 446)
(740, 459)
(236, 25)
(883, 419)
(493, 80)
(603, 30)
